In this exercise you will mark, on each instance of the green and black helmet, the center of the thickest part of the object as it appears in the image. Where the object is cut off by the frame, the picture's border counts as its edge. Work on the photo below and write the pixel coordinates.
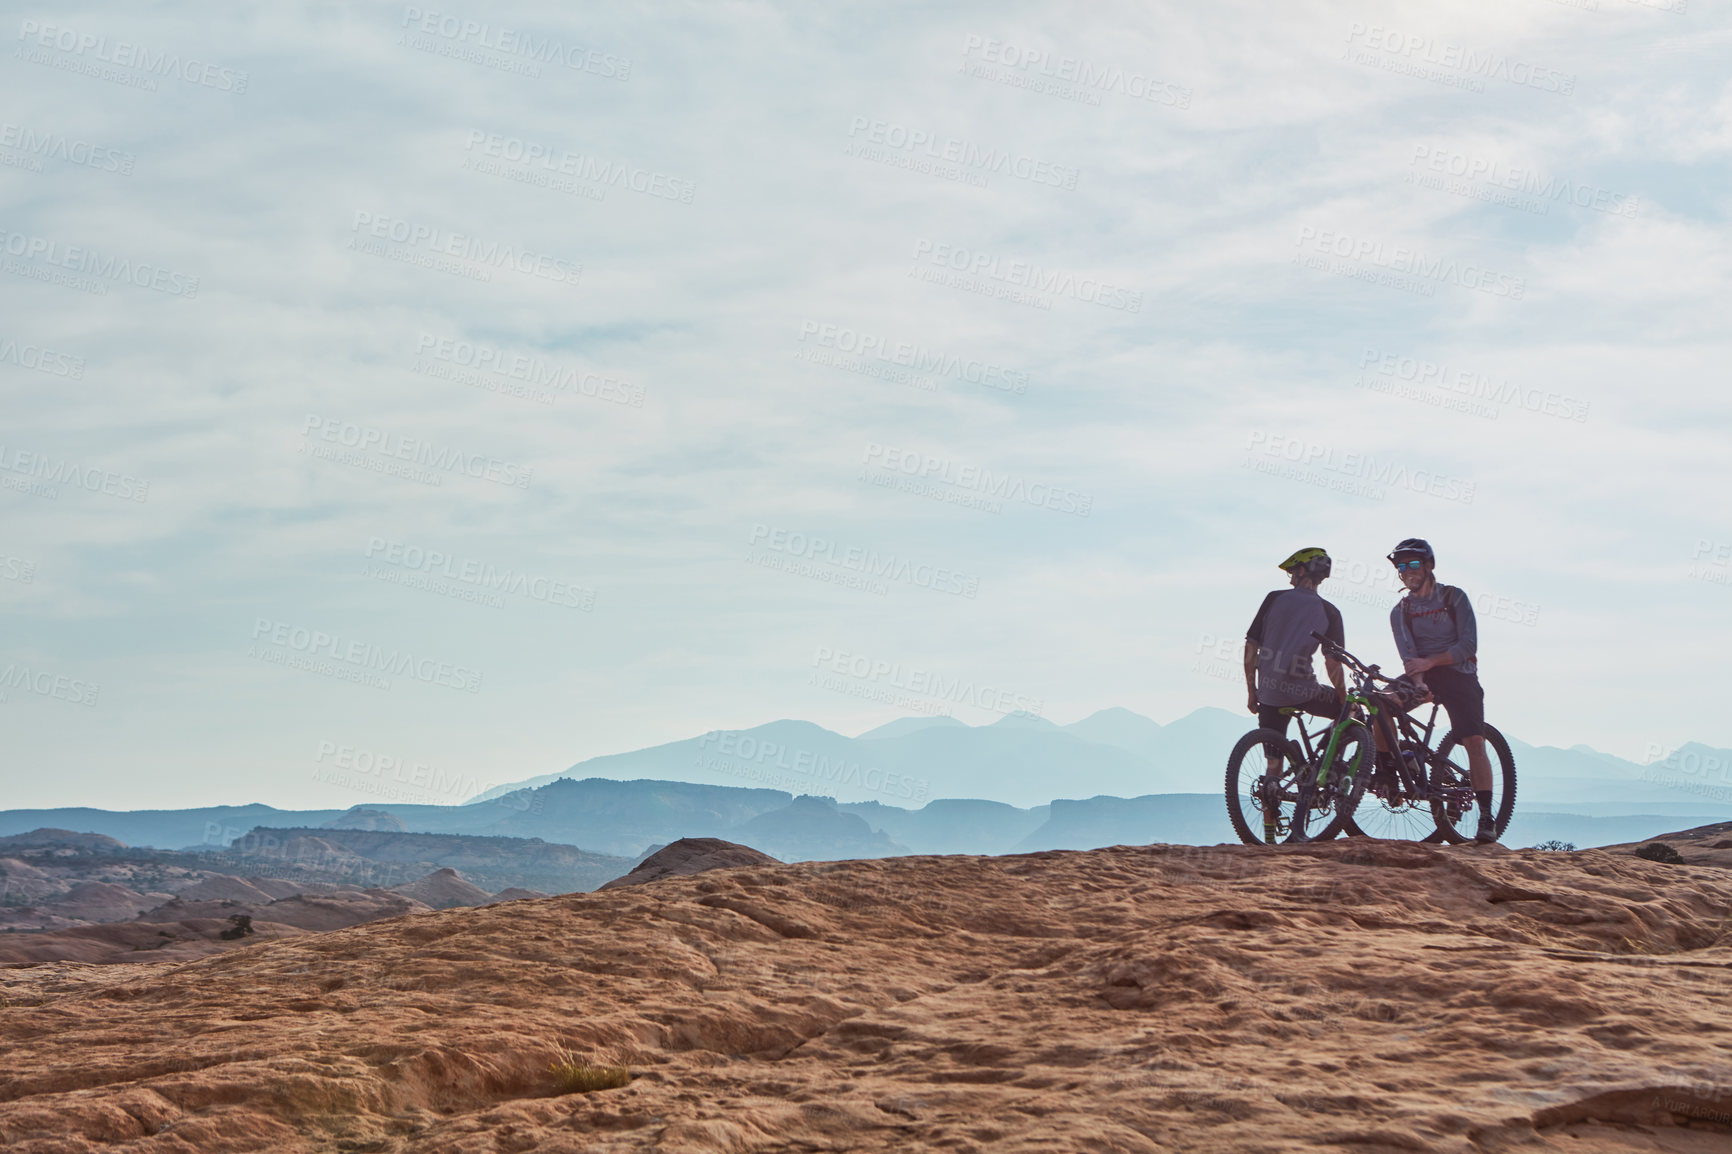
(1312, 562)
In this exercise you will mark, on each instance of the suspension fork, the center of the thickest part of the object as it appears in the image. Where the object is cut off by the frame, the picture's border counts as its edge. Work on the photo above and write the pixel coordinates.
(1335, 732)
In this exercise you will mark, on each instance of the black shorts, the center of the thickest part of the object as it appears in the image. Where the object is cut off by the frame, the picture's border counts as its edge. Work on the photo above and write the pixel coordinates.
(1461, 696)
(1325, 704)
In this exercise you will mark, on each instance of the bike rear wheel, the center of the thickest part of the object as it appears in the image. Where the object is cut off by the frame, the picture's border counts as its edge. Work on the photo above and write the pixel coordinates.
(1452, 803)
(1330, 790)
(1261, 807)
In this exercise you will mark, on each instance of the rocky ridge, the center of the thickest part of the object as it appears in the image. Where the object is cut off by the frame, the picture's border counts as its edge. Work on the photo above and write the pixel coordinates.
(1353, 996)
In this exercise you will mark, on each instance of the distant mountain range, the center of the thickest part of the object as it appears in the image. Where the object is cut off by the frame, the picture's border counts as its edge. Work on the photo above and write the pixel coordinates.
(1021, 760)
(1026, 761)
(931, 785)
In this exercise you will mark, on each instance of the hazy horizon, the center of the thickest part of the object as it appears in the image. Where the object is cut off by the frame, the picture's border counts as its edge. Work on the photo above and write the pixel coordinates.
(360, 776)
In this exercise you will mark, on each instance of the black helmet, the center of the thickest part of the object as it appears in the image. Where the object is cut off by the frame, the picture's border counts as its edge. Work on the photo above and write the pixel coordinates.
(1312, 562)
(1413, 547)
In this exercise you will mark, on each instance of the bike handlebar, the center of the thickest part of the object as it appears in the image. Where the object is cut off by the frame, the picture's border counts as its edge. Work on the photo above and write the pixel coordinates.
(1340, 654)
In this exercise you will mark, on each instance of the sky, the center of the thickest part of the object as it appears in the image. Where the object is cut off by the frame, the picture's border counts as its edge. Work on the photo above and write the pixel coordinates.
(501, 386)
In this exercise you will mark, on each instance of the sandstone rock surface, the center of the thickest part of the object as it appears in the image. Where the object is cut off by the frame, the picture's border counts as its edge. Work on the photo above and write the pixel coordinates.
(691, 855)
(444, 889)
(129, 941)
(102, 902)
(1366, 997)
(1704, 845)
(366, 817)
(60, 838)
(225, 887)
(184, 929)
(515, 893)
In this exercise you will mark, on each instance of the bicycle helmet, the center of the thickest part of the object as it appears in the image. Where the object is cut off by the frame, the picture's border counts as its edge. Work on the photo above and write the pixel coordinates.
(1312, 562)
(1413, 547)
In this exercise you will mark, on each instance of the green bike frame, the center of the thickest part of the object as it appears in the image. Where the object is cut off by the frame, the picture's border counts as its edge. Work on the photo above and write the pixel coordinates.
(1357, 704)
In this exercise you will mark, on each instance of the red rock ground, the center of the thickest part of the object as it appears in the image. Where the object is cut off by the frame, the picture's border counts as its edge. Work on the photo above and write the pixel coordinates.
(1363, 997)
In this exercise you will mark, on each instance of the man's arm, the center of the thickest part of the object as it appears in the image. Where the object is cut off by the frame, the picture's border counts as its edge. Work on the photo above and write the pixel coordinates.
(1251, 648)
(1337, 678)
(1466, 630)
(1253, 644)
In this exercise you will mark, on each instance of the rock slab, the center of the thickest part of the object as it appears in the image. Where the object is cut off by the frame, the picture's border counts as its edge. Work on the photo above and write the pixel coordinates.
(691, 855)
(1365, 997)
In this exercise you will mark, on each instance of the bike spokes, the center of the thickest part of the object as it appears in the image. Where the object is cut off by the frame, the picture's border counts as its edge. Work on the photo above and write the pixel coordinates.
(1260, 801)
(1396, 805)
(1330, 788)
(1453, 809)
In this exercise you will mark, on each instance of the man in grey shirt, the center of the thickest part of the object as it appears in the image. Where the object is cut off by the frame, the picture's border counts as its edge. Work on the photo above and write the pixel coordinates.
(1438, 639)
(1279, 646)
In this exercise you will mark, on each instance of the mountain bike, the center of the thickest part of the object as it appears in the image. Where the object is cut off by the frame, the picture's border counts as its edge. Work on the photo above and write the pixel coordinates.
(1306, 795)
(1422, 794)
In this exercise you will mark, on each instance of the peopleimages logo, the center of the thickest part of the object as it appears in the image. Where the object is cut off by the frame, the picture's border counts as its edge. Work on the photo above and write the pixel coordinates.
(1409, 262)
(364, 658)
(531, 370)
(1697, 763)
(968, 157)
(481, 574)
(1712, 562)
(919, 358)
(591, 169)
(438, 242)
(396, 447)
(46, 472)
(1358, 473)
(1473, 385)
(961, 475)
(43, 360)
(1413, 50)
(1524, 181)
(399, 778)
(42, 682)
(1086, 75)
(124, 55)
(1021, 275)
(516, 42)
(893, 675)
(866, 562)
(52, 146)
(44, 255)
(725, 750)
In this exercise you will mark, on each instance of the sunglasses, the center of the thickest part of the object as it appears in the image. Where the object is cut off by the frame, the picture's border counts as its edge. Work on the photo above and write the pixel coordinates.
(1413, 566)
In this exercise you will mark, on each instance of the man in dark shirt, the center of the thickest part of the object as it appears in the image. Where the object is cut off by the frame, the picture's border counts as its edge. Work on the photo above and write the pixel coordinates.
(1279, 647)
(1438, 639)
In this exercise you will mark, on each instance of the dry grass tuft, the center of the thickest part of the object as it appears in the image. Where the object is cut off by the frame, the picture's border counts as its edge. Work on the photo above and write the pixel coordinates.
(572, 1075)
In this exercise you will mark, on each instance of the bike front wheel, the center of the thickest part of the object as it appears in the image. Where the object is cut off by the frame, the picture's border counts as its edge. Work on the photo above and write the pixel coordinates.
(1396, 807)
(1452, 801)
(1330, 790)
(1260, 803)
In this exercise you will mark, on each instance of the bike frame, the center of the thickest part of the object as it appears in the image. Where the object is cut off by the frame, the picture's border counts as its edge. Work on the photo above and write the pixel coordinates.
(1397, 724)
(1357, 702)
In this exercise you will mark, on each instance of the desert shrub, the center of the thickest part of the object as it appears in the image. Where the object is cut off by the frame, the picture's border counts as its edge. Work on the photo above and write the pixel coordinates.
(574, 1076)
(1555, 844)
(1660, 851)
